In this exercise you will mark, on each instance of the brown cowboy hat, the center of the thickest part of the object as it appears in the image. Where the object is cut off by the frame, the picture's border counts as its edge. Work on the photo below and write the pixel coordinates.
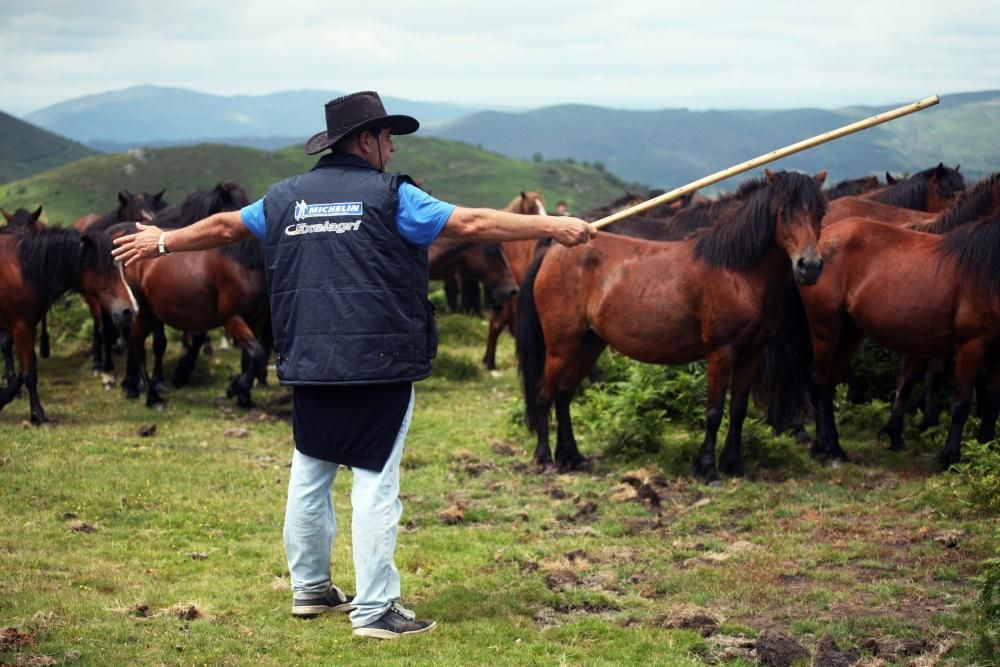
(353, 113)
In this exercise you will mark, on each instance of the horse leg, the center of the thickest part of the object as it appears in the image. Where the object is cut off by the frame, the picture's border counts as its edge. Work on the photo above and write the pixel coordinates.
(731, 461)
(857, 389)
(932, 377)
(135, 359)
(988, 394)
(7, 349)
(502, 318)
(14, 379)
(720, 369)
(24, 345)
(451, 290)
(968, 361)
(159, 349)
(96, 360)
(833, 347)
(185, 365)
(904, 385)
(43, 342)
(109, 333)
(240, 385)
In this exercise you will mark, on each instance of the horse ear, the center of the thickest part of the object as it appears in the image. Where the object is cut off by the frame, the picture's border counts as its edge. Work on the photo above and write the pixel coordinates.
(523, 195)
(771, 176)
(940, 168)
(37, 214)
(957, 167)
(6, 214)
(889, 179)
(123, 198)
(159, 195)
(821, 178)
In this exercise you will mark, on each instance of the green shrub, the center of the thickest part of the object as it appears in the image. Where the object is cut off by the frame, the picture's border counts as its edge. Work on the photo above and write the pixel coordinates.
(632, 403)
(980, 474)
(989, 609)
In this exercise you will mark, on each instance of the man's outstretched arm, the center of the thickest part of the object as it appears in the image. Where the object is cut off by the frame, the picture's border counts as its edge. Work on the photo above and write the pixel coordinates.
(211, 232)
(485, 224)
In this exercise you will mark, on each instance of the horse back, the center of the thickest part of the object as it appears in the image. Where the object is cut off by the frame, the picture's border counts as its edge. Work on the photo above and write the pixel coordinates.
(860, 207)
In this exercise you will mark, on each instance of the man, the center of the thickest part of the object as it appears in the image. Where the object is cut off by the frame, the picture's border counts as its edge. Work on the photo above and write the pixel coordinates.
(562, 208)
(346, 265)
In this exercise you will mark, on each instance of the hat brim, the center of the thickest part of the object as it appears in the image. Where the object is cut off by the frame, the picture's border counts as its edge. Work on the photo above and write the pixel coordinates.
(399, 123)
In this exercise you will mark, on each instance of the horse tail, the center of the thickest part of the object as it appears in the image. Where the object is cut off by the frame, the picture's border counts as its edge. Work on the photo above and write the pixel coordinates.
(784, 380)
(530, 342)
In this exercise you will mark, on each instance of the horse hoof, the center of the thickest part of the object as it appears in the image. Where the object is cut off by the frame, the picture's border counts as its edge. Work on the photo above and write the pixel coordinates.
(547, 468)
(832, 462)
(733, 470)
(707, 474)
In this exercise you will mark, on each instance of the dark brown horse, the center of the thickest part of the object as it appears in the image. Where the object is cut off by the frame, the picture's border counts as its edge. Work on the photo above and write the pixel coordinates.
(851, 187)
(923, 295)
(516, 256)
(199, 291)
(908, 201)
(715, 297)
(35, 269)
(22, 221)
(981, 200)
(132, 207)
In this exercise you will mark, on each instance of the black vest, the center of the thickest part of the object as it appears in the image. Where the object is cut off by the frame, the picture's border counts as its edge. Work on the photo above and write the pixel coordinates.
(348, 293)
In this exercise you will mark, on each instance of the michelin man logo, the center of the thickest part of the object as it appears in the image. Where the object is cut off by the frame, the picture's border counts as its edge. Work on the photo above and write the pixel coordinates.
(337, 209)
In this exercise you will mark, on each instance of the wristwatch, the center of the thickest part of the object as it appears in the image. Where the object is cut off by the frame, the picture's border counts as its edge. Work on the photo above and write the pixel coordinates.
(161, 246)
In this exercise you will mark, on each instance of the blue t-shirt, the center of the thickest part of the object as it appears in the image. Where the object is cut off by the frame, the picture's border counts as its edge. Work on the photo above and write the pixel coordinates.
(419, 217)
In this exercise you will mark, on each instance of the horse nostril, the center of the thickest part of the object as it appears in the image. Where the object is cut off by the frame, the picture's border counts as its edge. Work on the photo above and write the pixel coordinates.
(127, 314)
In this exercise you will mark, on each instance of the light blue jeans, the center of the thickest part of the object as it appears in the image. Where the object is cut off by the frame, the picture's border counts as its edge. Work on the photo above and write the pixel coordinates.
(311, 526)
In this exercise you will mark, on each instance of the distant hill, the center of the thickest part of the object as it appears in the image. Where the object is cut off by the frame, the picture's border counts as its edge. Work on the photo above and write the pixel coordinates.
(670, 147)
(452, 171)
(149, 114)
(26, 149)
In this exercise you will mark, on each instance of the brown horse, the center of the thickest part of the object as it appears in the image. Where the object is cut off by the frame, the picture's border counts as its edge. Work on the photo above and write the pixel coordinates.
(923, 295)
(981, 200)
(715, 297)
(909, 201)
(132, 207)
(517, 257)
(851, 187)
(35, 269)
(199, 291)
(22, 221)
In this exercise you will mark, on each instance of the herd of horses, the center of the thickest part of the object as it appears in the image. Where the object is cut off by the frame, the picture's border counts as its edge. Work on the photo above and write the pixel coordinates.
(775, 285)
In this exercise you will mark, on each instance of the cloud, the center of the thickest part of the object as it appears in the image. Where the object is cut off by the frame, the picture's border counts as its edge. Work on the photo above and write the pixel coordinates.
(634, 55)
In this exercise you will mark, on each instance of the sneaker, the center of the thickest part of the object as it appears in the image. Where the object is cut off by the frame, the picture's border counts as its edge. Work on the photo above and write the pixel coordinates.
(334, 600)
(396, 622)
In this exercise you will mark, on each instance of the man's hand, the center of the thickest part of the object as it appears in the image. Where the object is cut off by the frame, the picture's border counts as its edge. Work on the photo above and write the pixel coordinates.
(573, 231)
(141, 245)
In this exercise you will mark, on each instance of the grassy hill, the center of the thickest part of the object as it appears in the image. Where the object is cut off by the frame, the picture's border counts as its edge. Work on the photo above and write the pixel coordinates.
(26, 149)
(452, 171)
(670, 147)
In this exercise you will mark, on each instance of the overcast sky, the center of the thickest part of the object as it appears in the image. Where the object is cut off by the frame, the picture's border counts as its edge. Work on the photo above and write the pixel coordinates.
(637, 55)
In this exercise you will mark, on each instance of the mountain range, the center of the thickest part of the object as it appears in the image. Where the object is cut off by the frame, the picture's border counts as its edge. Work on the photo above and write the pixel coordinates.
(662, 148)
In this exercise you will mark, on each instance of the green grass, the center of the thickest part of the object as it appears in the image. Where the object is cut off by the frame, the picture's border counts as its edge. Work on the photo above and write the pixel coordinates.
(192, 517)
(452, 171)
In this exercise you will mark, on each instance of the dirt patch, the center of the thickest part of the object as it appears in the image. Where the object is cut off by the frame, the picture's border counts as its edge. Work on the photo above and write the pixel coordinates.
(775, 649)
(585, 511)
(12, 638)
(454, 514)
(725, 648)
(502, 448)
(147, 431)
(828, 654)
(186, 612)
(704, 622)
(81, 527)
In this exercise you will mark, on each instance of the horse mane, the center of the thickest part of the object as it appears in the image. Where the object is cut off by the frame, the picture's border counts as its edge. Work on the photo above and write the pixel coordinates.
(201, 204)
(741, 240)
(975, 250)
(851, 187)
(50, 261)
(912, 192)
(972, 204)
(97, 247)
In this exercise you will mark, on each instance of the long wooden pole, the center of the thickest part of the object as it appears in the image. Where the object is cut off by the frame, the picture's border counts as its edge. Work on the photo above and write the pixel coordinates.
(877, 119)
